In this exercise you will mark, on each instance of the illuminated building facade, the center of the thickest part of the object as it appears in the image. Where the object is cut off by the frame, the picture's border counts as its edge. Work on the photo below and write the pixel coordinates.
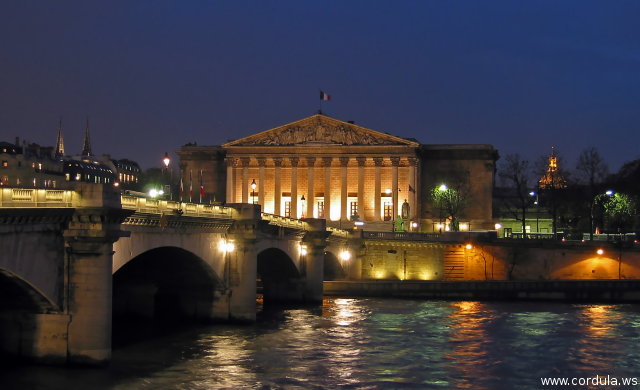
(321, 167)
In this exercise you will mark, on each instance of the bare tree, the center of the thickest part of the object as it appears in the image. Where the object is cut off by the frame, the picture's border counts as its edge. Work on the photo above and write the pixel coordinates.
(591, 168)
(591, 171)
(515, 173)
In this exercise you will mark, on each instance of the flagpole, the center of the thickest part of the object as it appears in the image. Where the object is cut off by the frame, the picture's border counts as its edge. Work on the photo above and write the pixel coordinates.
(320, 105)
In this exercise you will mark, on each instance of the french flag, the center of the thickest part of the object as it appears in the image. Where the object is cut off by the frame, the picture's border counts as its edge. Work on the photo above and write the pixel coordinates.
(201, 187)
(324, 96)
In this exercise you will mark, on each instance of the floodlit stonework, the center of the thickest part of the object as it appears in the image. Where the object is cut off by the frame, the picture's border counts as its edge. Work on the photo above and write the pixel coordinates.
(321, 167)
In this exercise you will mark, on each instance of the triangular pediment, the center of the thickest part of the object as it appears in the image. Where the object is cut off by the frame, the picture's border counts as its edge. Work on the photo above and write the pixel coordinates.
(318, 130)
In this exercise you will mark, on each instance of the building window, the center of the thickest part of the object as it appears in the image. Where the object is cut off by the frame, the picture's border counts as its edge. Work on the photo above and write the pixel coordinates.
(5, 163)
(353, 209)
(287, 209)
(388, 210)
(4, 180)
(320, 205)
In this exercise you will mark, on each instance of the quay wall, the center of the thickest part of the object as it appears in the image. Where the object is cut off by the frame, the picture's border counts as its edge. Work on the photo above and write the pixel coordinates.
(547, 290)
(466, 260)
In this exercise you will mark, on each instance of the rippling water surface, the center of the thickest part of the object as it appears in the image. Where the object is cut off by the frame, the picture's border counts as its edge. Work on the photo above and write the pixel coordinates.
(373, 343)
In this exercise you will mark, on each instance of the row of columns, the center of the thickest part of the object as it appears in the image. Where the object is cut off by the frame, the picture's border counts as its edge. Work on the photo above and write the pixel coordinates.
(310, 196)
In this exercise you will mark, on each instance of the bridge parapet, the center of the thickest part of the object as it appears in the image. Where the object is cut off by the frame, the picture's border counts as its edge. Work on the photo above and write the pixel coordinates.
(158, 206)
(34, 197)
(279, 220)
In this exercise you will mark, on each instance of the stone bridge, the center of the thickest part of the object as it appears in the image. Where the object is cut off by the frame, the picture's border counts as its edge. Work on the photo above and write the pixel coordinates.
(72, 260)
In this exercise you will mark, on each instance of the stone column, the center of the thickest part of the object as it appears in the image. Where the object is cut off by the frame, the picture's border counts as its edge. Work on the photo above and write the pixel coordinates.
(315, 242)
(361, 162)
(310, 186)
(412, 188)
(262, 162)
(395, 162)
(294, 186)
(377, 188)
(277, 192)
(344, 161)
(245, 179)
(326, 161)
(230, 193)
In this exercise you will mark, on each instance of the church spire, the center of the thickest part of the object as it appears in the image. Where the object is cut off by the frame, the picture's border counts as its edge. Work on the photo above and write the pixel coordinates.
(86, 144)
(59, 142)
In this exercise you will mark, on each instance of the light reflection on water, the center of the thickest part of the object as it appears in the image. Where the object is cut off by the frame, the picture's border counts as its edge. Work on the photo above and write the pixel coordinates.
(373, 343)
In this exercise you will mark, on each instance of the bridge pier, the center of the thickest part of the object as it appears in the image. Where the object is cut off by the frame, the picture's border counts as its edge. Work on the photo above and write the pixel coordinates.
(315, 241)
(88, 274)
(241, 264)
(89, 301)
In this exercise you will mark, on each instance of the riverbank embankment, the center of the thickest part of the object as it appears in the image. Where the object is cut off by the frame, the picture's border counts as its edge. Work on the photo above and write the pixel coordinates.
(550, 290)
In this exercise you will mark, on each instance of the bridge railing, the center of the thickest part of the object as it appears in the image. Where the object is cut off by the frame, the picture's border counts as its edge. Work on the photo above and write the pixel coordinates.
(34, 197)
(285, 221)
(158, 206)
(338, 232)
(405, 236)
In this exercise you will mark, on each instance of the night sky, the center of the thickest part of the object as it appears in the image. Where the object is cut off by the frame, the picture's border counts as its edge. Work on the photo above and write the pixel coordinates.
(154, 75)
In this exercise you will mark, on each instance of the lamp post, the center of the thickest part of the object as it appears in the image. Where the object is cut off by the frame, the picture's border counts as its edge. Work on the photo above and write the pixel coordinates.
(593, 203)
(303, 204)
(253, 191)
(443, 187)
(166, 160)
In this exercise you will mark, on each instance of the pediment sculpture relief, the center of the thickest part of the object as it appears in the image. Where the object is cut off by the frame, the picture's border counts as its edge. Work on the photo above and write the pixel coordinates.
(318, 134)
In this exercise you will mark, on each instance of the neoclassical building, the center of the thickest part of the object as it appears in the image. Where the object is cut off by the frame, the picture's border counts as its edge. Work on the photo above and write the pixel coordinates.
(321, 167)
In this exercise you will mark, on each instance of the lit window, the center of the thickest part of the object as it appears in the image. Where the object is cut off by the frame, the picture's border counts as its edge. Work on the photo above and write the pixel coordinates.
(388, 210)
(320, 208)
(353, 209)
(5, 163)
(287, 209)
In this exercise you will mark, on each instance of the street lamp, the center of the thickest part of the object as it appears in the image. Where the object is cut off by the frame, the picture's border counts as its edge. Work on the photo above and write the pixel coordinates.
(443, 187)
(253, 191)
(303, 204)
(166, 161)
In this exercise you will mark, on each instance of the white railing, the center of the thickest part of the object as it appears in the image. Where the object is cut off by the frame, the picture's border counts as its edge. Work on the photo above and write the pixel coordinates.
(285, 221)
(32, 197)
(338, 232)
(157, 206)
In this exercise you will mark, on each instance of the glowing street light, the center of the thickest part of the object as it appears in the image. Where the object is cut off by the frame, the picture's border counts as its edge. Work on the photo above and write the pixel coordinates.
(345, 255)
(226, 246)
(443, 187)
(166, 160)
(253, 191)
(600, 252)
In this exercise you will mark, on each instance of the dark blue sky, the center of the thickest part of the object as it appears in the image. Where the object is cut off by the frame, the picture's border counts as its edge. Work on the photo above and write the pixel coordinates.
(154, 75)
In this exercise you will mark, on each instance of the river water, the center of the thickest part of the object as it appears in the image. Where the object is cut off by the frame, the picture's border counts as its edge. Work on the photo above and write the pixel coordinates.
(360, 343)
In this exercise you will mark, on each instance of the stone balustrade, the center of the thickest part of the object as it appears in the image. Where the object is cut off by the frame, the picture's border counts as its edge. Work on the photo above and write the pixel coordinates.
(32, 197)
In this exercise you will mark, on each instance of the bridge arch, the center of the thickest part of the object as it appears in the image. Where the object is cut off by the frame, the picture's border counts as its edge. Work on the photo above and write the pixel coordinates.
(279, 276)
(21, 312)
(165, 283)
(333, 269)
